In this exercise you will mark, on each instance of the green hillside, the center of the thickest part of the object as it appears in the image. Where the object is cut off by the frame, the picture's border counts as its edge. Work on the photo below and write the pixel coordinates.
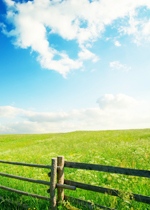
(123, 148)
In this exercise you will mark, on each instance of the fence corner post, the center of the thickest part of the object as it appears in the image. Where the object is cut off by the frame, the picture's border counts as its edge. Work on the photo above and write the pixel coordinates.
(53, 183)
(60, 179)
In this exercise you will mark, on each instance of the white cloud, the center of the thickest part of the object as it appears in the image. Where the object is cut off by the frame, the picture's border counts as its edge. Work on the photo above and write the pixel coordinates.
(117, 65)
(85, 54)
(121, 101)
(8, 111)
(93, 70)
(45, 117)
(5, 129)
(9, 3)
(114, 112)
(83, 21)
(117, 43)
(146, 28)
(139, 28)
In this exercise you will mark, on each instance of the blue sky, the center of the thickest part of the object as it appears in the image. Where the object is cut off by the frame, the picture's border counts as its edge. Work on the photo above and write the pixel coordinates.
(74, 65)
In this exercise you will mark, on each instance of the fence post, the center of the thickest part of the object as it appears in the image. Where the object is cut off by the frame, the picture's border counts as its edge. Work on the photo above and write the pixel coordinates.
(60, 179)
(53, 183)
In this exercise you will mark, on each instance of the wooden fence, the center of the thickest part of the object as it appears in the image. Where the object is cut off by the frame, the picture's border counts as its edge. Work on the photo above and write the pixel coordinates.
(57, 169)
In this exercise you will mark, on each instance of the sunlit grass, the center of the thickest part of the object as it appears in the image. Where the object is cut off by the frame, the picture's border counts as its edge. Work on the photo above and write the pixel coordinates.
(128, 148)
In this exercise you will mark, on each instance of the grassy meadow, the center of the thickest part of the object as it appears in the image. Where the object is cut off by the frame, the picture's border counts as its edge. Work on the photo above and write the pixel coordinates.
(122, 148)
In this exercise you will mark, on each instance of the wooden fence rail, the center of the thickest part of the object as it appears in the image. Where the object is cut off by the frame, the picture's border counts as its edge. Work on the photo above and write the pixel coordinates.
(109, 169)
(57, 169)
(26, 164)
(54, 168)
(136, 197)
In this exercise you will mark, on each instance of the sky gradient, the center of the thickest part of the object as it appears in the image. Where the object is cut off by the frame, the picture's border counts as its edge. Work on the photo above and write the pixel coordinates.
(69, 65)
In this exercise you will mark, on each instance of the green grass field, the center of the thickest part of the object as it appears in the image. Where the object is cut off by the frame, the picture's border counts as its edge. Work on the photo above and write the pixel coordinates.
(124, 148)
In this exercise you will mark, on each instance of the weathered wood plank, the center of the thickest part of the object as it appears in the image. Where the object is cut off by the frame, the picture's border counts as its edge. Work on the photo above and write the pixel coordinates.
(136, 197)
(86, 204)
(60, 179)
(25, 164)
(63, 186)
(25, 179)
(109, 169)
(53, 183)
(24, 193)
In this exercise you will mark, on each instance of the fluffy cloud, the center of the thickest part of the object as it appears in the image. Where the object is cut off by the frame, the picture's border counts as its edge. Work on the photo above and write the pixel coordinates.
(45, 117)
(121, 101)
(114, 112)
(117, 43)
(9, 111)
(139, 28)
(117, 65)
(83, 21)
(85, 54)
